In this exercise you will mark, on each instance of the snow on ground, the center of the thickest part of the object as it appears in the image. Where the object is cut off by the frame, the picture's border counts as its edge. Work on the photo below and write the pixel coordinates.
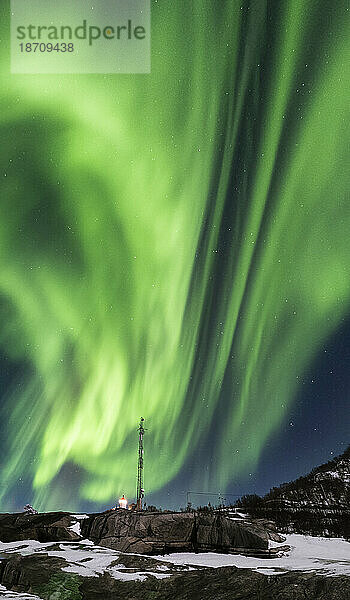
(24, 547)
(8, 595)
(328, 556)
(83, 559)
(76, 527)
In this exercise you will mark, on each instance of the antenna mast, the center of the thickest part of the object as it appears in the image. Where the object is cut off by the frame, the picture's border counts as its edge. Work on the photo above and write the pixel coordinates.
(140, 492)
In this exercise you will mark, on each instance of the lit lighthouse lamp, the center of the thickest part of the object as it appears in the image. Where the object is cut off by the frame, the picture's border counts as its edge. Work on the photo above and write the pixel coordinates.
(123, 503)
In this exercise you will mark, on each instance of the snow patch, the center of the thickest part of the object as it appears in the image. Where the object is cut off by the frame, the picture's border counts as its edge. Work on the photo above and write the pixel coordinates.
(9, 595)
(25, 547)
(83, 559)
(76, 528)
(328, 556)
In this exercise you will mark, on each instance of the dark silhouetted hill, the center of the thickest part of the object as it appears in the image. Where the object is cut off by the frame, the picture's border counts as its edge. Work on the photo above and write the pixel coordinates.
(317, 503)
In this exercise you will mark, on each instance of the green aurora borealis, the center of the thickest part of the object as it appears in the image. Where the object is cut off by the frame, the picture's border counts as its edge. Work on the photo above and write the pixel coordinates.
(173, 245)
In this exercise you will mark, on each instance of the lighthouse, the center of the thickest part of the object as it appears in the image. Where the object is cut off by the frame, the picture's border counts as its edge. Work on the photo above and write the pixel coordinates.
(123, 503)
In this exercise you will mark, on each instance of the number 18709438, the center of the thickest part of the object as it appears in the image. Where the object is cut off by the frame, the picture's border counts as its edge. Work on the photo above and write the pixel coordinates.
(42, 47)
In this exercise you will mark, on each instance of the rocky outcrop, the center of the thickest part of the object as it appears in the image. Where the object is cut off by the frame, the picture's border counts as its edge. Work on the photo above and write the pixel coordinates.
(159, 533)
(42, 575)
(44, 527)
(215, 531)
(29, 573)
(145, 532)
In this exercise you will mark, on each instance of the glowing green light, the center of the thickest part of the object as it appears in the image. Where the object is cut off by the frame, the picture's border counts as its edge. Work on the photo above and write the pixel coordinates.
(111, 217)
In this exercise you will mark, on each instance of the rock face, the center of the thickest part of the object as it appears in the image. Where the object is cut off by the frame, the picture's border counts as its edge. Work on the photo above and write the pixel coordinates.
(29, 573)
(42, 575)
(45, 527)
(156, 533)
(214, 531)
(144, 533)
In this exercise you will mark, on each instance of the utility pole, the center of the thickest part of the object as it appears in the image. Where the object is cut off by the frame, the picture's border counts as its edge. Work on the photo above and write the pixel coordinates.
(140, 492)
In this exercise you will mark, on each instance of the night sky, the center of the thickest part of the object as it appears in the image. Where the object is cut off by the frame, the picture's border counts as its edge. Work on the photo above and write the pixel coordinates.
(176, 246)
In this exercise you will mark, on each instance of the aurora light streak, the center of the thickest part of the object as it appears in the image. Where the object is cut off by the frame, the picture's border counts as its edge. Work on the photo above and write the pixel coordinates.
(174, 245)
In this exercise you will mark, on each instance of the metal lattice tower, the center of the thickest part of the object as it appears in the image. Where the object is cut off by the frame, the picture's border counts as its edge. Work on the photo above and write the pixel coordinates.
(140, 492)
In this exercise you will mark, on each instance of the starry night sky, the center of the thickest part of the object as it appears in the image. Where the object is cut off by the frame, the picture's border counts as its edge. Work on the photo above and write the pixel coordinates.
(176, 246)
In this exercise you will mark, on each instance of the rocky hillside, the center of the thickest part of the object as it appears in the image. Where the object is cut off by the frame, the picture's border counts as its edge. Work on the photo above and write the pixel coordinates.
(318, 503)
(144, 532)
(82, 571)
(61, 556)
(328, 485)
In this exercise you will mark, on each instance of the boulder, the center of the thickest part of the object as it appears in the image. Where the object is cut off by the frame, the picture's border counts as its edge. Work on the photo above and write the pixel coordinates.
(159, 533)
(44, 527)
(143, 533)
(216, 532)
